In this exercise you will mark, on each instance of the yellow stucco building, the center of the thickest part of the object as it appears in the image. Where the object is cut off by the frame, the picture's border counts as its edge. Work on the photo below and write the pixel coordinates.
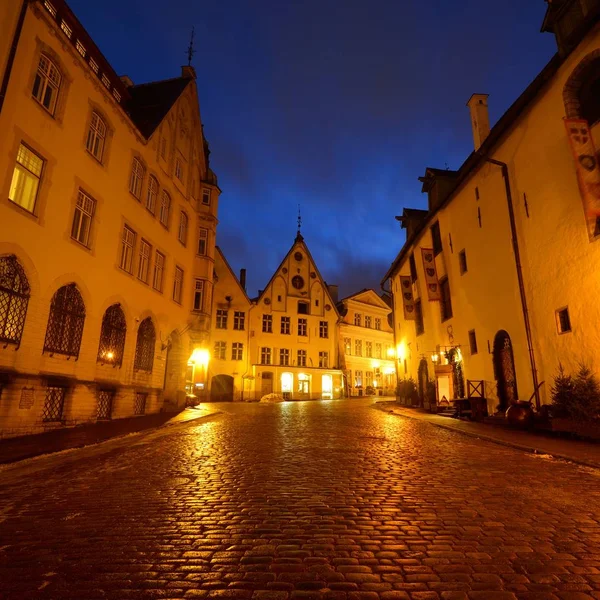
(495, 285)
(366, 340)
(108, 214)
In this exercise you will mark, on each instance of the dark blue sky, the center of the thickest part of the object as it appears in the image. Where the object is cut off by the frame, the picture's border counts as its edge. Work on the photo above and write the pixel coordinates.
(336, 105)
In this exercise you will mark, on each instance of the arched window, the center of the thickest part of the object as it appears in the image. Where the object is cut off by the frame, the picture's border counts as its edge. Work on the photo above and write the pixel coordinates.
(144, 349)
(183, 227)
(65, 323)
(112, 336)
(137, 178)
(96, 136)
(152, 194)
(165, 206)
(14, 297)
(46, 84)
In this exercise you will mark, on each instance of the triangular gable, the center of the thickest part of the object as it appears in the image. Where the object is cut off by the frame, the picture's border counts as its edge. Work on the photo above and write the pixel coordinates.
(368, 296)
(228, 271)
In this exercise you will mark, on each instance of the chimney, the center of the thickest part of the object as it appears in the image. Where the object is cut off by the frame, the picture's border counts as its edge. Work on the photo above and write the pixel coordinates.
(188, 72)
(480, 119)
(127, 82)
(333, 292)
(243, 278)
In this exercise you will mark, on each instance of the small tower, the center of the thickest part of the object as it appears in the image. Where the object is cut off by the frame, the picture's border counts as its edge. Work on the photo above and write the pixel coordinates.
(480, 119)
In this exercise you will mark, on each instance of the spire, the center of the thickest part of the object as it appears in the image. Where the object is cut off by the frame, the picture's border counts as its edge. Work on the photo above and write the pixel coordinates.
(299, 237)
(190, 49)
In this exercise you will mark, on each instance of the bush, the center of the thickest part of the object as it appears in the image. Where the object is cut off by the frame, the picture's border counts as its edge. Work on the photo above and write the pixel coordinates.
(370, 391)
(576, 397)
(406, 388)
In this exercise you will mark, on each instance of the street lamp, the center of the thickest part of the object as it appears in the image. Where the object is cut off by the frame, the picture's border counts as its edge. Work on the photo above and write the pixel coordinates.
(199, 361)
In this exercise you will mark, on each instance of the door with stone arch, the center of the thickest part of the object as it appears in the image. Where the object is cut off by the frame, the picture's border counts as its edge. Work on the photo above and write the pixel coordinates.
(504, 370)
(221, 388)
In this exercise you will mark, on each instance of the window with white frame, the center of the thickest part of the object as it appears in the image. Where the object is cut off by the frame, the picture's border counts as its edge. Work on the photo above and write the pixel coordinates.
(165, 207)
(82, 218)
(357, 319)
(178, 284)
(369, 349)
(239, 320)
(206, 196)
(377, 323)
(202, 241)
(152, 194)
(265, 356)
(358, 378)
(237, 351)
(358, 347)
(96, 137)
(323, 329)
(220, 350)
(347, 346)
(368, 321)
(378, 350)
(137, 178)
(301, 358)
(285, 325)
(127, 246)
(26, 179)
(159, 271)
(369, 378)
(284, 357)
(144, 261)
(267, 323)
(324, 360)
(183, 227)
(199, 294)
(46, 85)
(302, 327)
(221, 318)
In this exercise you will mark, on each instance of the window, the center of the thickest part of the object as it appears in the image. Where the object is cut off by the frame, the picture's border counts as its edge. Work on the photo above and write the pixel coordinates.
(152, 194)
(301, 358)
(26, 179)
(54, 404)
(237, 351)
(358, 379)
(144, 261)
(144, 348)
(50, 7)
(377, 323)
(96, 137)
(302, 327)
(206, 196)
(139, 403)
(419, 326)
(302, 308)
(112, 336)
(369, 349)
(179, 169)
(222, 318)
(267, 324)
(323, 329)
(220, 350)
(357, 319)
(284, 357)
(46, 84)
(436, 238)
(462, 262)
(369, 378)
(358, 347)
(239, 319)
(473, 341)
(165, 207)
(199, 294)
(178, 285)
(106, 81)
(80, 48)
(14, 298)
(324, 360)
(65, 27)
(137, 178)
(347, 346)
(202, 241)
(445, 300)
(265, 356)
(94, 65)
(413, 267)
(183, 226)
(285, 325)
(65, 322)
(82, 219)
(127, 246)
(378, 353)
(105, 404)
(159, 271)
(563, 321)
(367, 321)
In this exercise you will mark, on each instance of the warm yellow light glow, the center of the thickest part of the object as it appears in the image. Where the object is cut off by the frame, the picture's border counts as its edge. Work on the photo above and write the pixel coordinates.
(391, 352)
(401, 351)
(435, 358)
(389, 371)
(375, 384)
(458, 355)
(110, 355)
(200, 356)
(375, 364)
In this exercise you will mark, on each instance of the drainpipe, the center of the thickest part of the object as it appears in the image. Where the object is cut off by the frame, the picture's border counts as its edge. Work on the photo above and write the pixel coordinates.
(12, 53)
(515, 245)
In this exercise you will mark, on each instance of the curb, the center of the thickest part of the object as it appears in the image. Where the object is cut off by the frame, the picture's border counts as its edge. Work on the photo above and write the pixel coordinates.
(492, 439)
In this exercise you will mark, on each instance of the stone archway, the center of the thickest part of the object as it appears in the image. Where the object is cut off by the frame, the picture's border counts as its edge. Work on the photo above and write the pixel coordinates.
(174, 392)
(221, 388)
(504, 370)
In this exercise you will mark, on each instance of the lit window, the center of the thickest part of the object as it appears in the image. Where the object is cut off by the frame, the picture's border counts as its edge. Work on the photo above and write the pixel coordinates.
(80, 48)
(46, 84)
(183, 226)
(221, 318)
(206, 196)
(152, 194)
(159, 270)
(285, 325)
(165, 207)
(347, 346)
(96, 136)
(50, 8)
(116, 95)
(68, 31)
(106, 81)
(127, 246)
(358, 379)
(137, 178)
(178, 284)
(112, 336)
(199, 294)
(324, 360)
(369, 349)
(265, 356)
(302, 327)
(284, 357)
(323, 329)
(563, 321)
(26, 179)
(358, 347)
(220, 350)
(82, 219)
(369, 378)
(202, 241)
(239, 318)
(144, 261)
(94, 65)
(301, 358)
(237, 351)
(267, 324)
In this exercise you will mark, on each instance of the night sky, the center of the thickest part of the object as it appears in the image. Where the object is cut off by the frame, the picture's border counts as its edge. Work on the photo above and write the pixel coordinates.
(336, 105)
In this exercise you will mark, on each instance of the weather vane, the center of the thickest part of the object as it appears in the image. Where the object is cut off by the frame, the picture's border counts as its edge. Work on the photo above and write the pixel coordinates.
(299, 219)
(190, 50)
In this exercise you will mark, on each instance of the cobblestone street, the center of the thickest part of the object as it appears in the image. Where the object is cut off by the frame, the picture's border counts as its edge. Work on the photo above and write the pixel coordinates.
(300, 500)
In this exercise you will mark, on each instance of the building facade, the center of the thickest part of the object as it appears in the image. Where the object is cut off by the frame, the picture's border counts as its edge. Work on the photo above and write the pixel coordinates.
(108, 213)
(366, 341)
(495, 285)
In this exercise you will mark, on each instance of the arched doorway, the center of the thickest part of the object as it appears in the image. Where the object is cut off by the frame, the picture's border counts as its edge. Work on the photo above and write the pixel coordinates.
(173, 386)
(504, 370)
(221, 388)
(423, 380)
(267, 383)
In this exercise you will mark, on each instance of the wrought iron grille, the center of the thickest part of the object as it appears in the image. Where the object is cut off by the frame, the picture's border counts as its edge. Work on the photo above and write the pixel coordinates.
(105, 403)
(139, 403)
(112, 336)
(65, 323)
(144, 349)
(14, 298)
(54, 404)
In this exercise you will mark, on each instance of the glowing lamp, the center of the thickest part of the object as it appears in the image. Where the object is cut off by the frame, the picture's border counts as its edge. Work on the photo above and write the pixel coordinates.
(434, 358)
(109, 355)
(391, 353)
(401, 353)
(200, 356)
(375, 364)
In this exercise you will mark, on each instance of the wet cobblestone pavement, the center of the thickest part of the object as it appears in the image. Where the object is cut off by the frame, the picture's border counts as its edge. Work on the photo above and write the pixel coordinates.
(328, 500)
